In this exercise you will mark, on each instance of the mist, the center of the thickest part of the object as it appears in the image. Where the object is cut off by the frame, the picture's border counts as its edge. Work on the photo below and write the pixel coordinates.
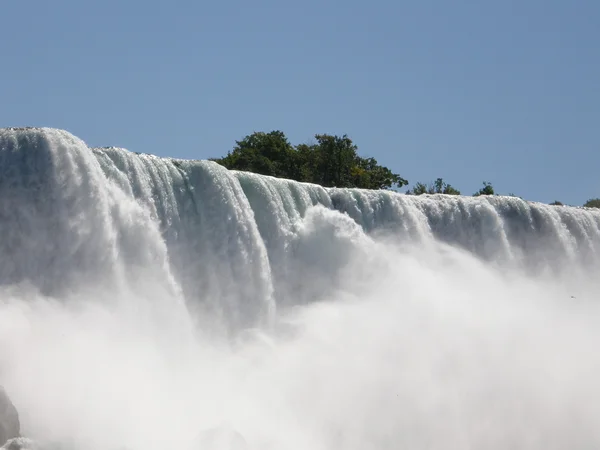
(416, 349)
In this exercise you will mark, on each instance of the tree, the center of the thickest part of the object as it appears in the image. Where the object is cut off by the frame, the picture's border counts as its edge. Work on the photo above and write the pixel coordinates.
(487, 189)
(368, 174)
(331, 161)
(439, 186)
(336, 158)
(557, 203)
(264, 153)
(592, 203)
(307, 159)
(418, 189)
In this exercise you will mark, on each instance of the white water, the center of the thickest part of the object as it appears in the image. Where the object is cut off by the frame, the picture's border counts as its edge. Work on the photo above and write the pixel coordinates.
(150, 304)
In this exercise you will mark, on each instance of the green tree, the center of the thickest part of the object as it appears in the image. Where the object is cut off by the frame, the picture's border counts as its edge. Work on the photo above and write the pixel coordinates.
(592, 203)
(439, 186)
(331, 161)
(418, 189)
(368, 174)
(556, 203)
(487, 189)
(336, 157)
(264, 153)
(307, 158)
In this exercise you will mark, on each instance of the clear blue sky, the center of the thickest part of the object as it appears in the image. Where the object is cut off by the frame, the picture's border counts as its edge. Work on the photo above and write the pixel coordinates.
(506, 91)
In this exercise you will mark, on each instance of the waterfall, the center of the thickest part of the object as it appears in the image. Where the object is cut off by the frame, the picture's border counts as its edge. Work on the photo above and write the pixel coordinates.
(145, 299)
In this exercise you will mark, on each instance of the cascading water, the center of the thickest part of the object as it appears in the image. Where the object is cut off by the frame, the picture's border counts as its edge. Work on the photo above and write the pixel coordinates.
(151, 303)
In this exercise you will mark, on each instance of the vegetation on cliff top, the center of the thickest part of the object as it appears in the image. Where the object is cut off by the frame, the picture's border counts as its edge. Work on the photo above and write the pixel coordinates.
(331, 161)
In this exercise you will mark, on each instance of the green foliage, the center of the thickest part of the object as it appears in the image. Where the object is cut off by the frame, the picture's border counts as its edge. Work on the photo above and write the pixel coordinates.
(592, 203)
(418, 189)
(487, 189)
(263, 153)
(332, 161)
(439, 186)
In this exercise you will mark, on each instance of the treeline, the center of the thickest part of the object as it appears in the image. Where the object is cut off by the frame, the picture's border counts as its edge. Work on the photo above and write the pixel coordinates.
(331, 161)
(439, 186)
